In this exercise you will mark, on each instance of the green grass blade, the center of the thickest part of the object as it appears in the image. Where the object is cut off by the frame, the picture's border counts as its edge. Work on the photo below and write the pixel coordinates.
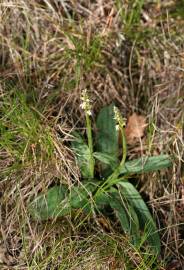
(107, 136)
(146, 164)
(145, 219)
(21, 128)
(82, 153)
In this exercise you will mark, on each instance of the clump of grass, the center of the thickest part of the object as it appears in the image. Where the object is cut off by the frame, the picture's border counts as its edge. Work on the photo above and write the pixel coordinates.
(24, 135)
(46, 50)
(85, 252)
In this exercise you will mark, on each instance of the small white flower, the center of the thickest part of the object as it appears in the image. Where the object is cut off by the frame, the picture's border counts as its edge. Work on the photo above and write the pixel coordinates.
(118, 117)
(117, 127)
(82, 105)
(89, 112)
(116, 114)
(85, 105)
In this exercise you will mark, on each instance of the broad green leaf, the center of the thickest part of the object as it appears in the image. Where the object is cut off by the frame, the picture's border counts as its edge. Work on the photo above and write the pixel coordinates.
(107, 136)
(106, 159)
(127, 217)
(52, 204)
(59, 201)
(80, 196)
(102, 200)
(146, 164)
(82, 153)
(147, 224)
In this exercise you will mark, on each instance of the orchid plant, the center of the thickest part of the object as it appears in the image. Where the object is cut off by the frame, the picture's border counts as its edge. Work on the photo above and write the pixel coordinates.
(105, 179)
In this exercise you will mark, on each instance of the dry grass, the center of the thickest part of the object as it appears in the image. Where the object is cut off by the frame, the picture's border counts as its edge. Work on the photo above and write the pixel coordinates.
(50, 51)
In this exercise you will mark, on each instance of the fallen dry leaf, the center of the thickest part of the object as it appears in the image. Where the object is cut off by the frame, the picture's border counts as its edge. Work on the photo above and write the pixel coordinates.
(135, 128)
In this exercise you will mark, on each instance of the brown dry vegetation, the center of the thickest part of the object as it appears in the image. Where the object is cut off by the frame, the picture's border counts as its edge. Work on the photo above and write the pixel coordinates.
(49, 52)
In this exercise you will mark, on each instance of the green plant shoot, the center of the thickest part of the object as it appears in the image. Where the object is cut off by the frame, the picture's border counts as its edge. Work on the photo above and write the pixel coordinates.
(111, 187)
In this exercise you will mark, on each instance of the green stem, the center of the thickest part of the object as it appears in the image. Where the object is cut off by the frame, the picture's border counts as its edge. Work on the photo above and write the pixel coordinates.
(113, 178)
(116, 173)
(90, 144)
